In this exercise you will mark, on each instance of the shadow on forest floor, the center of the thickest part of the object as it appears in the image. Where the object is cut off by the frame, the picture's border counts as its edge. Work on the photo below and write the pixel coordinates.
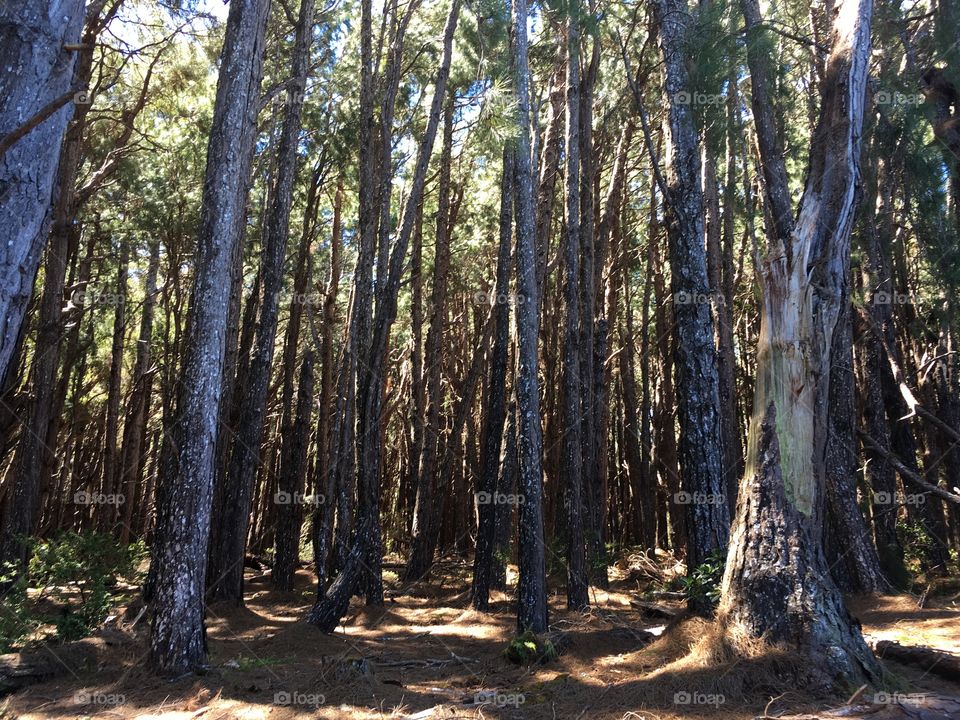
(427, 654)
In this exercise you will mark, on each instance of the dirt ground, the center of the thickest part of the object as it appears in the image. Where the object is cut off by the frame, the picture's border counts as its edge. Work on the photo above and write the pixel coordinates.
(426, 654)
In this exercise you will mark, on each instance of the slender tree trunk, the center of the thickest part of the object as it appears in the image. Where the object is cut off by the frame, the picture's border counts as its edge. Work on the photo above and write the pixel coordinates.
(179, 560)
(494, 415)
(421, 556)
(290, 494)
(701, 441)
(573, 451)
(364, 561)
(532, 588)
(138, 408)
(226, 568)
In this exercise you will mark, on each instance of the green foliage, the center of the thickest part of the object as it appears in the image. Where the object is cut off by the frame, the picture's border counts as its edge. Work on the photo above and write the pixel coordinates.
(75, 581)
(529, 648)
(702, 586)
(917, 544)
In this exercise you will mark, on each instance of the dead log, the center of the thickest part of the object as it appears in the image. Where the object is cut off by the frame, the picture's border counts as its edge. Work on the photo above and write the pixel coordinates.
(888, 706)
(944, 664)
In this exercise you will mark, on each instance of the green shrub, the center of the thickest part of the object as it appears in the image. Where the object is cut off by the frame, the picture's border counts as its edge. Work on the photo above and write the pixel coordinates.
(75, 578)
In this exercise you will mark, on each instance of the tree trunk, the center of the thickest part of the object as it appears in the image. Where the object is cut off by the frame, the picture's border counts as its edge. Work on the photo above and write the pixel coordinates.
(701, 442)
(776, 584)
(421, 556)
(494, 413)
(179, 561)
(38, 71)
(532, 588)
(226, 560)
(573, 394)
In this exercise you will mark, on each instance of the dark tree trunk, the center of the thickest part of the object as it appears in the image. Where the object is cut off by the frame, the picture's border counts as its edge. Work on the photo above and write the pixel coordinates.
(573, 395)
(494, 415)
(701, 442)
(421, 556)
(364, 562)
(290, 492)
(179, 560)
(532, 588)
(231, 516)
(138, 407)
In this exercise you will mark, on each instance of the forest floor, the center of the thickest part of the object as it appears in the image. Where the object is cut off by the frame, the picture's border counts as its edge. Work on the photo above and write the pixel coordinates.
(427, 654)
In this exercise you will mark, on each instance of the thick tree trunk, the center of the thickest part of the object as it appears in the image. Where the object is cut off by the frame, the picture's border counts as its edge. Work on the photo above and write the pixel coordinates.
(179, 561)
(38, 70)
(776, 585)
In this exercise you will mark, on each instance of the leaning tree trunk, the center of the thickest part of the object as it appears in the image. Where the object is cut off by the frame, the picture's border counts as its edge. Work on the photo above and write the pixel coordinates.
(37, 46)
(232, 515)
(365, 558)
(179, 563)
(777, 584)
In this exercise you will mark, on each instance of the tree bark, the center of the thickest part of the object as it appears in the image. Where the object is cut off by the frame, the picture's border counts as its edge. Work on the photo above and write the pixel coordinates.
(179, 560)
(776, 584)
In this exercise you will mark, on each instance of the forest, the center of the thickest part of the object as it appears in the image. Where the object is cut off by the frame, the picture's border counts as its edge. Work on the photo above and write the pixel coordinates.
(587, 359)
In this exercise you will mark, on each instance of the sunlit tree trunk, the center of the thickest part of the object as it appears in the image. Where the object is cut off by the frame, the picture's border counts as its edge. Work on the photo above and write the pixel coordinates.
(776, 584)
(179, 558)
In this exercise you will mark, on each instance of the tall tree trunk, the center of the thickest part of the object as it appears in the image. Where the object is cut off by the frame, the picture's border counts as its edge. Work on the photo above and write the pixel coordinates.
(179, 560)
(701, 441)
(421, 556)
(37, 51)
(494, 412)
(364, 562)
(776, 584)
(226, 560)
(138, 407)
(532, 588)
(573, 410)
(41, 71)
